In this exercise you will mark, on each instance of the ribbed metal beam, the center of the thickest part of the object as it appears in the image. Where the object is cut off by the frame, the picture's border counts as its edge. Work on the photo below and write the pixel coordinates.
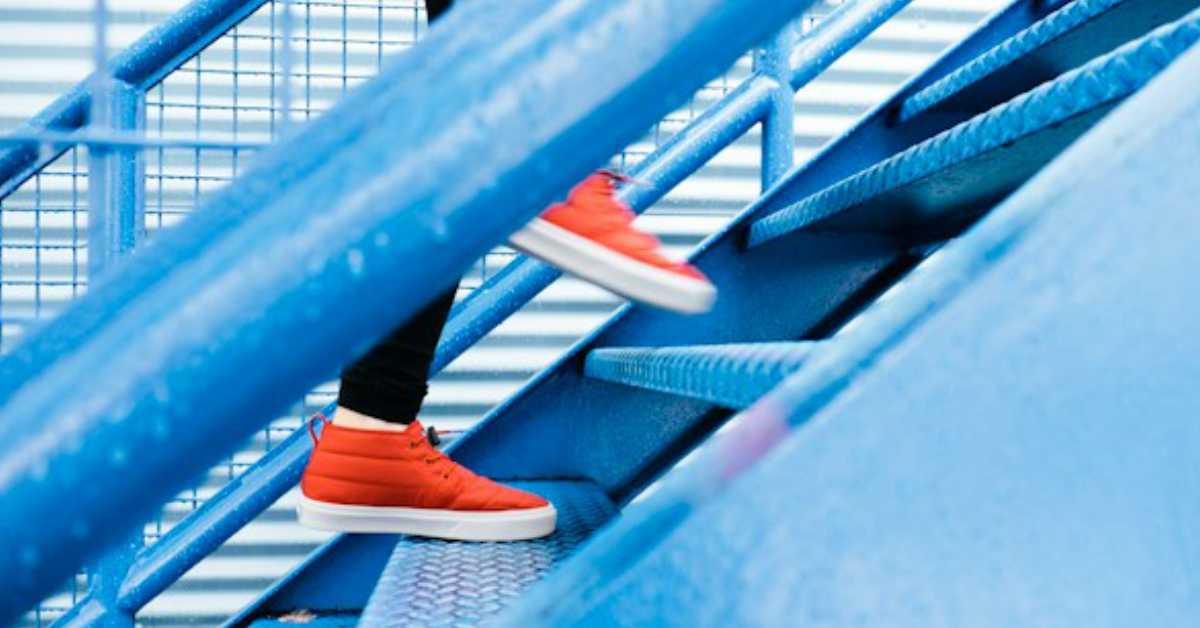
(974, 163)
(1067, 38)
(733, 375)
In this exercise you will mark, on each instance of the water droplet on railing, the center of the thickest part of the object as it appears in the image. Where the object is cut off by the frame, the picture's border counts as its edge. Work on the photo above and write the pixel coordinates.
(355, 260)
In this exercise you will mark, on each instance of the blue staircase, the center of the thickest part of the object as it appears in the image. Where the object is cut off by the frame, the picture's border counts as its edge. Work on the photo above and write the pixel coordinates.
(906, 404)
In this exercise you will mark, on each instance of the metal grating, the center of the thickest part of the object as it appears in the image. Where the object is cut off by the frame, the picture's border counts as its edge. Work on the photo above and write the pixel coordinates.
(432, 584)
(234, 92)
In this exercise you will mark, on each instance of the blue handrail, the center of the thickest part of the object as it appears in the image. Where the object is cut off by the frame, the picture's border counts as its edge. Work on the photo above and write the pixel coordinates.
(205, 305)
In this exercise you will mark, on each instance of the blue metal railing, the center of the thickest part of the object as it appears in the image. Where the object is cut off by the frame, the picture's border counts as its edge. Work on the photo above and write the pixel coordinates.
(241, 42)
(630, 99)
(160, 564)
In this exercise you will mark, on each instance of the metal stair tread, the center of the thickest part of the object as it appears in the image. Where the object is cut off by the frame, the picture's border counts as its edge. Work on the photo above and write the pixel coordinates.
(979, 161)
(446, 583)
(731, 375)
(1063, 40)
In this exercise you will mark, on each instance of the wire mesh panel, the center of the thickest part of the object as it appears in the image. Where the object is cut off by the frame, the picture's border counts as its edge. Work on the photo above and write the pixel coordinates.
(276, 69)
(43, 245)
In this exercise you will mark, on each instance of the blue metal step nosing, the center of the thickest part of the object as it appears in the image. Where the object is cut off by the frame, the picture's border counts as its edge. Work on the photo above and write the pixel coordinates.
(1054, 26)
(1098, 84)
(1067, 38)
(730, 375)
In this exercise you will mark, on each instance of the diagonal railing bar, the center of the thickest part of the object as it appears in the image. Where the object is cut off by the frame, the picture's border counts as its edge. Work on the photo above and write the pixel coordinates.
(233, 296)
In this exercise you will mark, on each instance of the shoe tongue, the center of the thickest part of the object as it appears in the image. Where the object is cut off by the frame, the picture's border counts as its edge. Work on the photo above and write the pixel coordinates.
(415, 430)
(596, 184)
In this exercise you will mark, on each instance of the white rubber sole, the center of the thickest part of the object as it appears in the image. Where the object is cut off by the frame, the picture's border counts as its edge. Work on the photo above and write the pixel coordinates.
(505, 525)
(608, 269)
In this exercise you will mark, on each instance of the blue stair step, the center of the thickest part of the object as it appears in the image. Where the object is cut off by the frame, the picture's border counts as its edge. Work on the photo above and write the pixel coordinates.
(731, 375)
(431, 583)
(937, 186)
(1064, 40)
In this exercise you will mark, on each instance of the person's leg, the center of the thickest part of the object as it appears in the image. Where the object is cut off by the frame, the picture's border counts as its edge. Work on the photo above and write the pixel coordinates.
(435, 8)
(374, 469)
(385, 388)
(389, 383)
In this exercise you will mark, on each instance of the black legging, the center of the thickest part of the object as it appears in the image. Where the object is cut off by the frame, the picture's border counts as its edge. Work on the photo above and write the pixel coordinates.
(390, 382)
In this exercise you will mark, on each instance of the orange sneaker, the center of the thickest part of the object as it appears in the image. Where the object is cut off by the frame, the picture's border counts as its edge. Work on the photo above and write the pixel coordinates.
(592, 236)
(396, 482)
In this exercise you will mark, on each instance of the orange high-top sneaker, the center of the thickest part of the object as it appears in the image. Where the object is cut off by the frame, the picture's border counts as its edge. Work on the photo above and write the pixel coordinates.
(396, 482)
(592, 236)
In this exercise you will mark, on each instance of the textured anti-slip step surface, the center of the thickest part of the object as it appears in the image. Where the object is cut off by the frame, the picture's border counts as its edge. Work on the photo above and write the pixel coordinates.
(1071, 36)
(432, 583)
(732, 375)
(982, 159)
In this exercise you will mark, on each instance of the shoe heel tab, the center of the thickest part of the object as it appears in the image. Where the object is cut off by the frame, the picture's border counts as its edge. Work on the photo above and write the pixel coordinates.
(312, 431)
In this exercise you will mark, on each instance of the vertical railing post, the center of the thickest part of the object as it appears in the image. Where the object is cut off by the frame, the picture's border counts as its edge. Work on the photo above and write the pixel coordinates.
(778, 126)
(104, 583)
(115, 211)
(116, 221)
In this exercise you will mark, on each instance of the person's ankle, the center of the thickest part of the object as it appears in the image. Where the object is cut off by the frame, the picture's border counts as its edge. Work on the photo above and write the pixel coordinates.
(344, 417)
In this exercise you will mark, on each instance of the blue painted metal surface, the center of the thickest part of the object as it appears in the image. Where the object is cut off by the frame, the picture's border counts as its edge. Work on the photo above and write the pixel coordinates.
(779, 124)
(875, 137)
(431, 583)
(905, 190)
(116, 187)
(273, 476)
(1015, 446)
(840, 31)
(689, 149)
(157, 566)
(733, 376)
(1072, 36)
(269, 478)
(207, 324)
(817, 275)
(522, 279)
(104, 581)
(142, 65)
